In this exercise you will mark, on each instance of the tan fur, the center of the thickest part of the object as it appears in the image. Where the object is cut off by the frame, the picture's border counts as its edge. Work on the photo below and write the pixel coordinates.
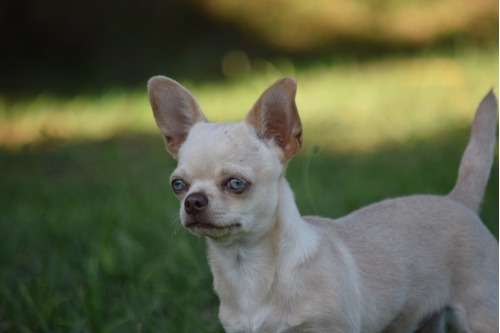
(395, 266)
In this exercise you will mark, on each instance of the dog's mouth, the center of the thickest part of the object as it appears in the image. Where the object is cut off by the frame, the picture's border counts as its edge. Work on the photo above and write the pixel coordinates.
(210, 229)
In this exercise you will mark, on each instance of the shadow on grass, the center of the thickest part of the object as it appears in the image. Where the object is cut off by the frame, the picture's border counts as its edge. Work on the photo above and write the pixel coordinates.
(89, 239)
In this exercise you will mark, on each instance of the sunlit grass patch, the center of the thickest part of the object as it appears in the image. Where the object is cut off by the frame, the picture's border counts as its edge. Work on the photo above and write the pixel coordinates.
(343, 106)
(80, 118)
(392, 101)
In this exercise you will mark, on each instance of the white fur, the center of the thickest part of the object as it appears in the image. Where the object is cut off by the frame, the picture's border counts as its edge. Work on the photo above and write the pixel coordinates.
(394, 266)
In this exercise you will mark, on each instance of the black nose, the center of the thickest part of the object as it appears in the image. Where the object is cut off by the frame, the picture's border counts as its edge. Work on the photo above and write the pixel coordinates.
(195, 203)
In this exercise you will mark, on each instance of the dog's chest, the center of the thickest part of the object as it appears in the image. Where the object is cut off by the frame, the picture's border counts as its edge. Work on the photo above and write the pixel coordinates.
(253, 319)
(253, 304)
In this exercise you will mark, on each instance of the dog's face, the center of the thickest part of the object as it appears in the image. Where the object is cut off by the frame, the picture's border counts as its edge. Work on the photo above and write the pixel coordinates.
(228, 174)
(226, 180)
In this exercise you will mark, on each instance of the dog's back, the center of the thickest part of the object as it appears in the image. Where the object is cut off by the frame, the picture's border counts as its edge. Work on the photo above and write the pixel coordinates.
(429, 254)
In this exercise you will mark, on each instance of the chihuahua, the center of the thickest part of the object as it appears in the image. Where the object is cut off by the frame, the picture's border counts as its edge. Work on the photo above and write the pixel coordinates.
(400, 265)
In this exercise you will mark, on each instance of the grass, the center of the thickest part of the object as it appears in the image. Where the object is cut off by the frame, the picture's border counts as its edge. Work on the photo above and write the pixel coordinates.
(337, 100)
(89, 237)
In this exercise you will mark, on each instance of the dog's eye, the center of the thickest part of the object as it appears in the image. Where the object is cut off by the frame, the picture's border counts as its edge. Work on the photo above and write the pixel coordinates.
(178, 185)
(237, 185)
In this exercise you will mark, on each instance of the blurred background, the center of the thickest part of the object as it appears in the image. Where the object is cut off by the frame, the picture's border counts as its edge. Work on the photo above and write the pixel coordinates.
(89, 239)
(65, 48)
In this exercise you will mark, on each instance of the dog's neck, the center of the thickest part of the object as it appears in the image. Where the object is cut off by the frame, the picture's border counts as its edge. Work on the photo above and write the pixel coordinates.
(251, 266)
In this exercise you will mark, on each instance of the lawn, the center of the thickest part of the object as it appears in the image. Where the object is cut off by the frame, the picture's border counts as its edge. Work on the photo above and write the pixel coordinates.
(89, 234)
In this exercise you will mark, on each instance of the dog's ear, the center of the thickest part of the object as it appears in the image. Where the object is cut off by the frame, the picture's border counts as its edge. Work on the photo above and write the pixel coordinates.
(175, 110)
(275, 117)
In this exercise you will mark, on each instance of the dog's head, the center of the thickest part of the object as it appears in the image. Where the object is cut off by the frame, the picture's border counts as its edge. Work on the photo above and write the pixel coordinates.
(228, 174)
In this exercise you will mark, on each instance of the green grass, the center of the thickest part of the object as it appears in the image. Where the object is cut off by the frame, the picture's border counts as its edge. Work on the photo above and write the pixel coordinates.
(89, 236)
(90, 241)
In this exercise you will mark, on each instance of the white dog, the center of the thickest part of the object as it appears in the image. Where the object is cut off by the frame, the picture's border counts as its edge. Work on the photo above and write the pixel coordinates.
(395, 266)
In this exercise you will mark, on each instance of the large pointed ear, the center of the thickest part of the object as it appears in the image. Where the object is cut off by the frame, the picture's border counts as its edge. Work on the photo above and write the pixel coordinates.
(175, 110)
(275, 117)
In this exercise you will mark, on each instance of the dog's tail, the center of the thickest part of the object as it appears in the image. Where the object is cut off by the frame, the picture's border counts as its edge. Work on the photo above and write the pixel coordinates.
(477, 159)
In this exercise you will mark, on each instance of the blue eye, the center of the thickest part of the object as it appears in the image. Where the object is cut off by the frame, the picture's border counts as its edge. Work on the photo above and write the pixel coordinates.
(236, 185)
(178, 185)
